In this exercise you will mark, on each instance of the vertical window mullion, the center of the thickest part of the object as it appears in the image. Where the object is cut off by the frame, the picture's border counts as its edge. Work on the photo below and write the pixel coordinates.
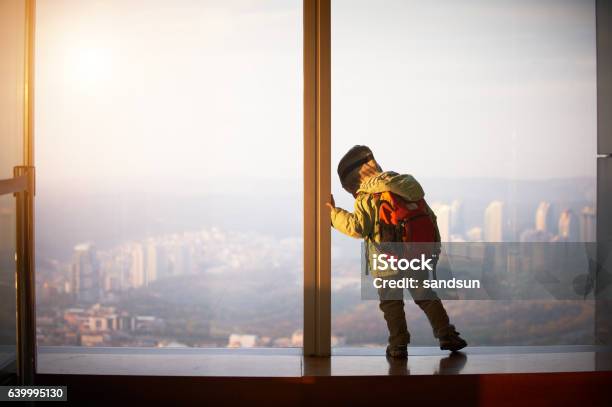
(317, 150)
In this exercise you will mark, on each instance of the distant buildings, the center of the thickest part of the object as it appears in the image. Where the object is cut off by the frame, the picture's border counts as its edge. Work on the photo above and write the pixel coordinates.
(569, 227)
(588, 225)
(494, 222)
(241, 341)
(137, 269)
(178, 259)
(544, 217)
(151, 263)
(498, 222)
(100, 325)
(296, 340)
(443, 215)
(144, 267)
(457, 218)
(85, 274)
(97, 277)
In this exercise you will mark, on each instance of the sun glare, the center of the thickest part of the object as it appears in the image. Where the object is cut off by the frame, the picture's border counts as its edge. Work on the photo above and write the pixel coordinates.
(89, 66)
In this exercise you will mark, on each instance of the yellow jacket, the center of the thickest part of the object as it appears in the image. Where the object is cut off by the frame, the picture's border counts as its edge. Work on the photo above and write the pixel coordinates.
(363, 222)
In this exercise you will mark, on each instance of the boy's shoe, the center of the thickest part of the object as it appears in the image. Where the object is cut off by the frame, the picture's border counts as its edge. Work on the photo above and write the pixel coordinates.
(400, 351)
(452, 342)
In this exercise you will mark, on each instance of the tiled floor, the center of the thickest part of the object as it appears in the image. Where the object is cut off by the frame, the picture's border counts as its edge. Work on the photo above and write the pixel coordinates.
(344, 362)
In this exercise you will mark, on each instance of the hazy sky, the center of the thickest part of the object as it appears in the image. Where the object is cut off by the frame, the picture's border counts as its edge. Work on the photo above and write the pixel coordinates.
(212, 90)
(169, 89)
(467, 88)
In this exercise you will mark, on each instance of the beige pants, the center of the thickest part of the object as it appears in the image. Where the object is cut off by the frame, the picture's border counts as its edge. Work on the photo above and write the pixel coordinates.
(392, 306)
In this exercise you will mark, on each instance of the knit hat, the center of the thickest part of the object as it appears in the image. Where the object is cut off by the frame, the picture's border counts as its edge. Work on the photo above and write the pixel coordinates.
(351, 168)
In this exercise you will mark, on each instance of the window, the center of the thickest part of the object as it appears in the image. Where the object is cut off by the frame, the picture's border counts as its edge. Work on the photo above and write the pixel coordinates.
(182, 155)
(169, 151)
(492, 107)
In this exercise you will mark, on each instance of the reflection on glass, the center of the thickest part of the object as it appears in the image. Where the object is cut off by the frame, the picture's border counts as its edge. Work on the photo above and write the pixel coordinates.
(491, 107)
(12, 47)
(7, 285)
(169, 158)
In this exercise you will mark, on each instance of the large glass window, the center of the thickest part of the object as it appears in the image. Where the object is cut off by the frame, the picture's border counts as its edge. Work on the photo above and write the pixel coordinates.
(492, 107)
(169, 159)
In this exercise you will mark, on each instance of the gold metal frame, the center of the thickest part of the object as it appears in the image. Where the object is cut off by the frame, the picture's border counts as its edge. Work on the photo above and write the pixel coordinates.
(24, 279)
(28, 108)
(317, 151)
(24, 255)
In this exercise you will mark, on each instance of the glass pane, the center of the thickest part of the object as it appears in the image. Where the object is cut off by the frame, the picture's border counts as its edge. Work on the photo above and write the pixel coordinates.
(169, 148)
(7, 285)
(12, 46)
(491, 106)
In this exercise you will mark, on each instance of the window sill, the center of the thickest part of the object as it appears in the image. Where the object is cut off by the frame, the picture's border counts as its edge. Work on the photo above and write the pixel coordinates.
(267, 362)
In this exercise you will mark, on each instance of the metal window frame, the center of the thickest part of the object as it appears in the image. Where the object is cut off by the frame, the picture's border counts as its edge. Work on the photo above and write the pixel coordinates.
(317, 186)
(603, 306)
(22, 186)
(24, 254)
(317, 183)
(603, 18)
(24, 278)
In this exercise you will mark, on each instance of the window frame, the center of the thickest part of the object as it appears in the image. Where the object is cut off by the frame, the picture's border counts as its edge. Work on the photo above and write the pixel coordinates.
(317, 178)
(317, 182)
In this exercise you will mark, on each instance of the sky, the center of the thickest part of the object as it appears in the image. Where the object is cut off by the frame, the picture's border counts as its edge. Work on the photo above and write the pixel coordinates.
(169, 90)
(210, 93)
(467, 88)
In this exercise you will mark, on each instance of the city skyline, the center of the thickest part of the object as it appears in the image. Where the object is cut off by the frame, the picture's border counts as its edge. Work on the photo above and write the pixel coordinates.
(96, 277)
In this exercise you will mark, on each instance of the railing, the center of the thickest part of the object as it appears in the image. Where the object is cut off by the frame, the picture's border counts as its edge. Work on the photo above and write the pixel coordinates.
(22, 187)
(13, 185)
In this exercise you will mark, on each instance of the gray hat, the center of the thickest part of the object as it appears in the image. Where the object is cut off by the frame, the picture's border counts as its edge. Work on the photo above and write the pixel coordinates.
(351, 162)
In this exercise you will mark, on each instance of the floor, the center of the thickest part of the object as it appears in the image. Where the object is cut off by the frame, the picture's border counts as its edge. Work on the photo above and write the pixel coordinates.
(344, 361)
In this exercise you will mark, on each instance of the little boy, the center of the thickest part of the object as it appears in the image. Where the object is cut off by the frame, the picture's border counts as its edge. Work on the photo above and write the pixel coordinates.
(362, 177)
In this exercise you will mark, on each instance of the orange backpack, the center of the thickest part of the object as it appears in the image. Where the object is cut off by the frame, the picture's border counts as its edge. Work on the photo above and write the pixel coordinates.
(405, 221)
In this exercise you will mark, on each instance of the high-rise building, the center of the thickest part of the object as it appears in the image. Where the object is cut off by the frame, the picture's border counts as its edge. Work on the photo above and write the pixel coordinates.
(588, 225)
(494, 222)
(569, 229)
(457, 218)
(144, 264)
(151, 263)
(162, 262)
(443, 215)
(86, 274)
(137, 271)
(178, 259)
(543, 217)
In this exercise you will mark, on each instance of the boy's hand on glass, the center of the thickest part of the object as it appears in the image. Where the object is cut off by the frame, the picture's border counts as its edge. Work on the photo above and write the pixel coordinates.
(331, 204)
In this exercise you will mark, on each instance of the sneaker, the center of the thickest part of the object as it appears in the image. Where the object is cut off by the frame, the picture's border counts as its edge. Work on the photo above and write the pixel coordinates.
(452, 342)
(400, 351)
